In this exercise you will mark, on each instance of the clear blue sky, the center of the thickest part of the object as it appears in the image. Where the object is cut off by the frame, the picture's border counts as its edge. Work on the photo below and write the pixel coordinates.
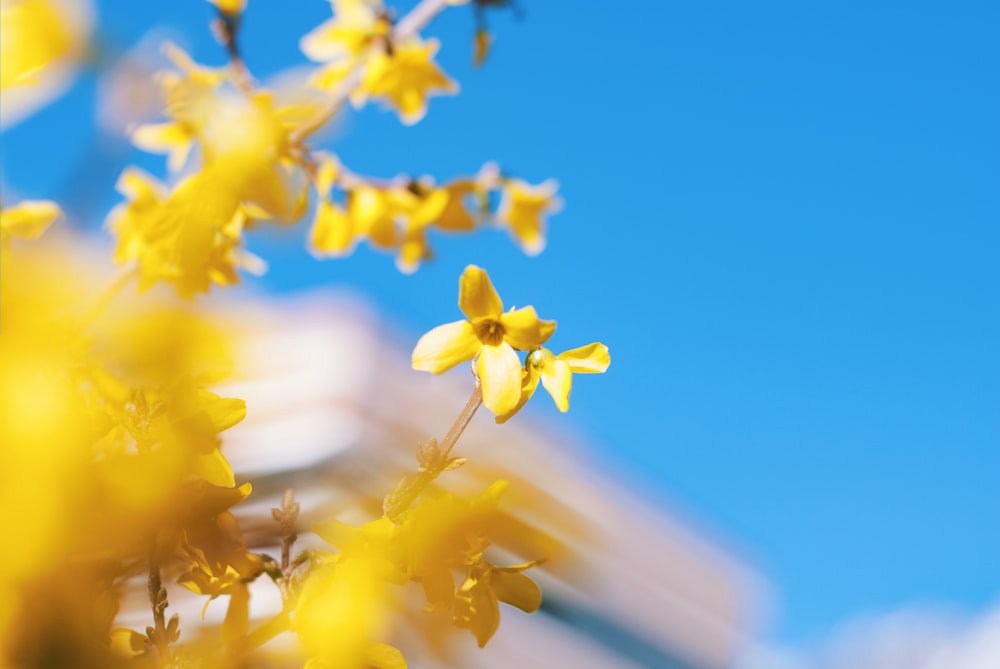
(783, 217)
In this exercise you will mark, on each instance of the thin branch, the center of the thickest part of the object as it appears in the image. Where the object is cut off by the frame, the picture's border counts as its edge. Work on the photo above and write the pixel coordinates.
(458, 427)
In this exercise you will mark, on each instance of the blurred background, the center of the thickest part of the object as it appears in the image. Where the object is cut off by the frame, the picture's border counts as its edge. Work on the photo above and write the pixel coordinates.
(782, 219)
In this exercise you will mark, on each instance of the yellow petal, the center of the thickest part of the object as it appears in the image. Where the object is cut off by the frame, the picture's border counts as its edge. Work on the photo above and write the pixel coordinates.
(332, 232)
(499, 371)
(327, 171)
(238, 614)
(529, 382)
(223, 412)
(524, 208)
(214, 468)
(516, 589)
(590, 359)
(126, 643)
(413, 251)
(524, 330)
(476, 296)
(172, 139)
(336, 533)
(384, 656)
(136, 184)
(482, 44)
(28, 219)
(232, 7)
(446, 346)
(557, 379)
(455, 216)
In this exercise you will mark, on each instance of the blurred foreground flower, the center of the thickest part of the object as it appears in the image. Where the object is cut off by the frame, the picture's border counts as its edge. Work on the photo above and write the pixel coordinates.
(110, 452)
(41, 42)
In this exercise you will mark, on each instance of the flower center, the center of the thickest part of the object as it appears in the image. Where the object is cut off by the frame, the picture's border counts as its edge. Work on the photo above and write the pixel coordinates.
(489, 331)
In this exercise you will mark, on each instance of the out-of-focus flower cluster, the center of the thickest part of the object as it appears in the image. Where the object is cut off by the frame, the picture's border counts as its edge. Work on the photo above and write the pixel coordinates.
(110, 456)
(111, 468)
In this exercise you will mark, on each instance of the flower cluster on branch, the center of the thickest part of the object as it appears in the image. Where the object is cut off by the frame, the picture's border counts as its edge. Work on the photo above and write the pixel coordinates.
(111, 420)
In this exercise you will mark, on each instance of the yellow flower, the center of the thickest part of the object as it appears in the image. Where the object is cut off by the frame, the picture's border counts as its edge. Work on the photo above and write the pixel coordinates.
(427, 543)
(28, 219)
(523, 209)
(477, 604)
(245, 141)
(490, 335)
(556, 372)
(41, 41)
(190, 98)
(231, 7)
(391, 217)
(405, 78)
(190, 237)
(353, 28)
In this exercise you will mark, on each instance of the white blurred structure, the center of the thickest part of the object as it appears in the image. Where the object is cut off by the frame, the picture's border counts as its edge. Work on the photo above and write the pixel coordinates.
(331, 397)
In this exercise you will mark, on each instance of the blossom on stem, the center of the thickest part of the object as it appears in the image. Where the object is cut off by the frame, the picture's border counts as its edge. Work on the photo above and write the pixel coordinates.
(490, 335)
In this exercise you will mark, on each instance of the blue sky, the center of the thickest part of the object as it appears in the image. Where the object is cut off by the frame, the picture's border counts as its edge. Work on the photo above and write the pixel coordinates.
(782, 217)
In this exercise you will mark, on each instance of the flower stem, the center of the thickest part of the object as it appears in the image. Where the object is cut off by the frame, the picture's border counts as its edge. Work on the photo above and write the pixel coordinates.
(458, 427)
(157, 634)
(433, 463)
(118, 283)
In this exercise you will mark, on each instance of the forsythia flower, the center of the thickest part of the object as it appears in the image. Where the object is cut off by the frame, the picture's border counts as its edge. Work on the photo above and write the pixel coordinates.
(28, 219)
(189, 98)
(355, 25)
(556, 372)
(393, 217)
(245, 142)
(190, 237)
(405, 78)
(523, 210)
(41, 42)
(490, 336)
(426, 543)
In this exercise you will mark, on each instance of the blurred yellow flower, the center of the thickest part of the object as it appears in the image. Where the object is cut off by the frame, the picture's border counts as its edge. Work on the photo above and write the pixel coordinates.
(231, 7)
(406, 77)
(245, 141)
(354, 27)
(190, 237)
(556, 373)
(41, 42)
(490, 336)
(440, 534)
(523, 210)
(28, 219)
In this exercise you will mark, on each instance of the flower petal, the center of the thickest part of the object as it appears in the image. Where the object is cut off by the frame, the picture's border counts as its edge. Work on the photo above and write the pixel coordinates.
(445, 346)
(529, 382)
(524, 330)
(477, 298)
(29, 219)
(499, 371)
(590, 359)
(516, 589)
(384, 656)
(558, 379)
